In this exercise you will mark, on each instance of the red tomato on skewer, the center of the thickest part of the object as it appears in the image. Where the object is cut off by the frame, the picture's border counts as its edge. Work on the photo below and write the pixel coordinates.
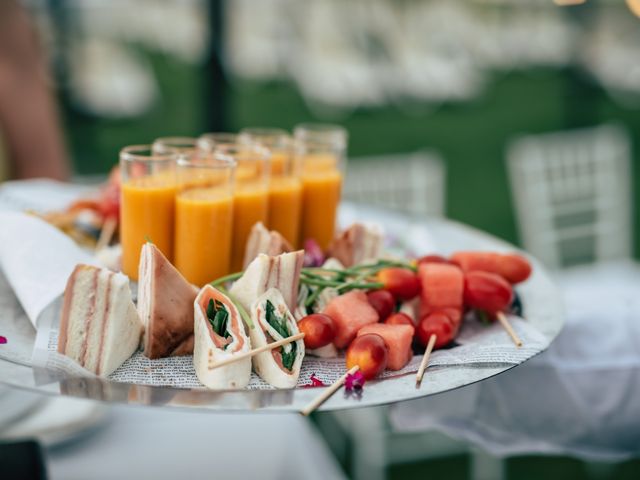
(487, 292)
(401, 282)
(369, 352)
(438, 324)
(319, 330)
(512, 267)
(400, 319)
(383, 302)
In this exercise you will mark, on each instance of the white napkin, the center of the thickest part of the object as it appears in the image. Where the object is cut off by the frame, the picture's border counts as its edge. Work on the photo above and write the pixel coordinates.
(37, 259)
(40, 195)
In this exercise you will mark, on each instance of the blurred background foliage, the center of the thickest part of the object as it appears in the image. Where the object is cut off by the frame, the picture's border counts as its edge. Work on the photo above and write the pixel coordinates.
(460, 77)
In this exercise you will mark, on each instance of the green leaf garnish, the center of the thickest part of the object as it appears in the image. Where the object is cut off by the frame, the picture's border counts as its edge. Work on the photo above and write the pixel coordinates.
(218, 316)
(279, 324)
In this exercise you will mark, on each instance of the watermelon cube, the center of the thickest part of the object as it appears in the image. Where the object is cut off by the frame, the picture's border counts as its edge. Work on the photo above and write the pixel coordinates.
(442, 287)
(349, 313)
(398, 339)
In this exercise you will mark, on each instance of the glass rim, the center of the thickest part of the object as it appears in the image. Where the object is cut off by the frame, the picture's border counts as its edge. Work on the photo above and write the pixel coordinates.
(272, 138)
(264, 131)
(320, 132)
(176, 142)
(211, 140)
(210, 160)
(223, 149)
(145, 153)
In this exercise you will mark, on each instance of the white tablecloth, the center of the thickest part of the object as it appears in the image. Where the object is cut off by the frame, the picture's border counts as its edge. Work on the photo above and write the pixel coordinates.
(147, 443)
(580, 397)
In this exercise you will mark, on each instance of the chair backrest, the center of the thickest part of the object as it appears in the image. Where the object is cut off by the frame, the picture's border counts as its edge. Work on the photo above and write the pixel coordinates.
(572, 194)
(413, 183)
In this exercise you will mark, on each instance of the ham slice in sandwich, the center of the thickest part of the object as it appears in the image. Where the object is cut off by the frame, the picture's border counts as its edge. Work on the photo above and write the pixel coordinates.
(264, 241)
(218, 334)
(265, 272)
(273, 321)
(357, 244)
(99, 326)
(165, 305)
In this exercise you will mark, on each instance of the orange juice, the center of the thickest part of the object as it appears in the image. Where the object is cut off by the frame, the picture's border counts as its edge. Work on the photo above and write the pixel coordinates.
(320, 199)
(321, 149)
(204, 218)
(147, 214)
(279, 163)
(285, 207)
(250, 205)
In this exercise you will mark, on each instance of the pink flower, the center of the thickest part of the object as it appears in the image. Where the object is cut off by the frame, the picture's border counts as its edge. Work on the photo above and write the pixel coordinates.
(3, 340)
(316, 382)
(354, 382)
(313, 256)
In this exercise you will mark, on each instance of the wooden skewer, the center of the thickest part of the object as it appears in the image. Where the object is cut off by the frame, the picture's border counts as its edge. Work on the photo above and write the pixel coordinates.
(425, 359)
(504, 321)
(108, 229)
(255, 351)
(320, 399)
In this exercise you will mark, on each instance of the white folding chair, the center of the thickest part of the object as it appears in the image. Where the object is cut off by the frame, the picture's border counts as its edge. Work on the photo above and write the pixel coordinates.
(572, 194)
(412, 183)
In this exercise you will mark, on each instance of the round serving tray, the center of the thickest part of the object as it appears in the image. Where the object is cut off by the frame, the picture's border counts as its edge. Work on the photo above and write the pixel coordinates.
(542, 304)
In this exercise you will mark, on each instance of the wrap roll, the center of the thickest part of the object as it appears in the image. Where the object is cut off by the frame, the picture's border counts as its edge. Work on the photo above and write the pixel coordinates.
(273, 321)
(217, 338)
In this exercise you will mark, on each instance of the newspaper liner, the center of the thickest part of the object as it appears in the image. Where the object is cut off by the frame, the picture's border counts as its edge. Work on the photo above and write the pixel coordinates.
(476, 345)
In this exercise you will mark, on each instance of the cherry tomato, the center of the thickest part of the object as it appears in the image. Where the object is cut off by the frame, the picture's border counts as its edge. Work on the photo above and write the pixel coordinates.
(515, 268)
(115, 178)
(400, 319)
(85, 204)
(487, 291)
(110, 202)
(401, 282)
(512, 267)
(454, 314)
(369, 352)
(382, 301)
(438, 324)
(319, 330)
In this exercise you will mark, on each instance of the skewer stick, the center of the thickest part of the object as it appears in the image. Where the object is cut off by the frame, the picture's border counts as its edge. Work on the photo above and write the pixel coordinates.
(320, 399)
(255, 351)
(108, 229)
(504, 321)
(425, 359)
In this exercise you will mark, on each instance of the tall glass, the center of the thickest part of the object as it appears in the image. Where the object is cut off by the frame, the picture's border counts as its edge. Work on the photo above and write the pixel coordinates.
(176, 144)
(321, 152)
(208, 142)
(285, 187)
(147, 203)
(204, 216)
(251, 195)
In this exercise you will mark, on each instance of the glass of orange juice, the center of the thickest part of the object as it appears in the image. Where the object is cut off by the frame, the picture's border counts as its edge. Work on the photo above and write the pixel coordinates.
(204, 216)
(285, 187)
(251, 194)
(208, 142)
(176, 144)
(147, 203)
(321, 151)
